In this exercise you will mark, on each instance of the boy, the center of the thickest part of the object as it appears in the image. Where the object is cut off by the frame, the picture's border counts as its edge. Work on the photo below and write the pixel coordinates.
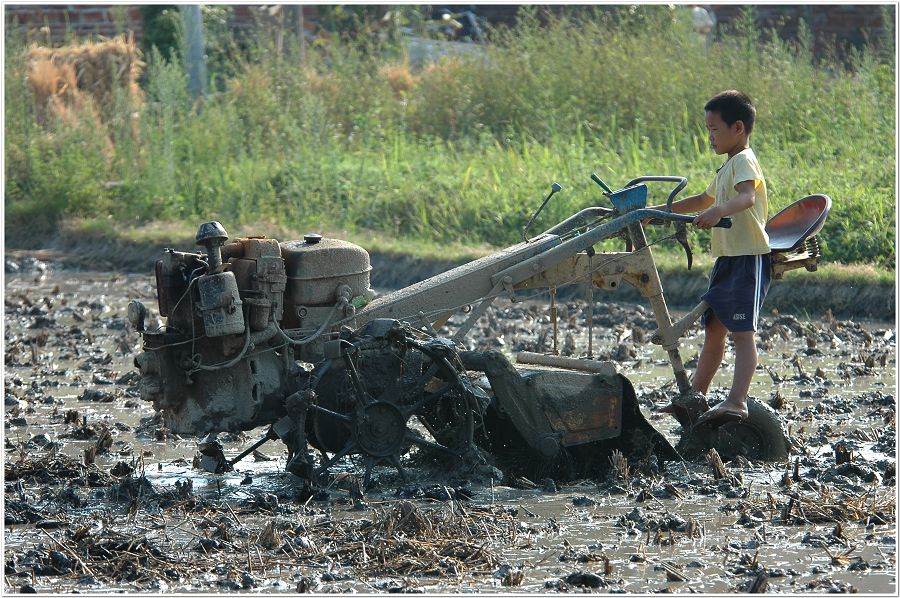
(740, 277)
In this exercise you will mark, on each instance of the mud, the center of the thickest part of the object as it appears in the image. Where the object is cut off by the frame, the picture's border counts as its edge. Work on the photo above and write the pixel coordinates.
(100, 498)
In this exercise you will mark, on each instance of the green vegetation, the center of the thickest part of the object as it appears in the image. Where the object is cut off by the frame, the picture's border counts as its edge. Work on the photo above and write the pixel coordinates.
(463, 151)
(161, 28)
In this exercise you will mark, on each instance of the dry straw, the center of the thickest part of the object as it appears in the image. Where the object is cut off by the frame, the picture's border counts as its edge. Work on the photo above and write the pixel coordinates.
(81, 80)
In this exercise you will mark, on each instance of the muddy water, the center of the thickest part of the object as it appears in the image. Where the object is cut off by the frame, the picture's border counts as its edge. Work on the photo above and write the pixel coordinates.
(68, 349)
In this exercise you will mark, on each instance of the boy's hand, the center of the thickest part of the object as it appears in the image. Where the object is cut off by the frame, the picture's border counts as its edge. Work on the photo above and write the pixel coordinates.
(708, 218)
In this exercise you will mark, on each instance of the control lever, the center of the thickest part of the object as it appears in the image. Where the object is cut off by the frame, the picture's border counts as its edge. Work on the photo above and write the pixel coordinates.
(681, 237)
(600, 182)
(681, 221)
(554, 188)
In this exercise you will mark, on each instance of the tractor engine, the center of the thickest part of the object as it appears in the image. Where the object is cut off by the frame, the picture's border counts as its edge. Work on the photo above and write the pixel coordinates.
(262, 333)
(242, 319)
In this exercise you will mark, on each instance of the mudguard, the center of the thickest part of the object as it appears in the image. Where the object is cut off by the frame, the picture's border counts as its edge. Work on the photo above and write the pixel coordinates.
(564, 416)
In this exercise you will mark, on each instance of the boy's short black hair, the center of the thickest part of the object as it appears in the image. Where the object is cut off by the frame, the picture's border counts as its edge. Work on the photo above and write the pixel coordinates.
(733, 106)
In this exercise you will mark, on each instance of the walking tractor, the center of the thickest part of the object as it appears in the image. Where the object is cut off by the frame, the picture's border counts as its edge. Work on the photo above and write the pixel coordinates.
(289, 335)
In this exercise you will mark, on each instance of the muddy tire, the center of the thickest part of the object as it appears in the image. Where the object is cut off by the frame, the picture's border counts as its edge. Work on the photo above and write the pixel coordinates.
(760, 437)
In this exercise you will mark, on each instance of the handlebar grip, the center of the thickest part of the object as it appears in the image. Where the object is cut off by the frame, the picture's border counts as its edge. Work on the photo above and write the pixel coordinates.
(661, 215)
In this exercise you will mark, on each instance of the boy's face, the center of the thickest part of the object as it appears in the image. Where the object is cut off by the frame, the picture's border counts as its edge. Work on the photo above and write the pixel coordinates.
(724, 139)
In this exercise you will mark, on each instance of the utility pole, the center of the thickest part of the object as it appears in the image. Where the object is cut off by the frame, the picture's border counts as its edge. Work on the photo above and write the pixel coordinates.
(301, 35)
(194, 55)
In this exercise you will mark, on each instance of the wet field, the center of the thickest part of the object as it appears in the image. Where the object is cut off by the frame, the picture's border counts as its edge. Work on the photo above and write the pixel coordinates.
(141, 517)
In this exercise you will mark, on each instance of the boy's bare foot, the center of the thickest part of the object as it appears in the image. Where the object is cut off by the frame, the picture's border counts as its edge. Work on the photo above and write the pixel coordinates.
(725, 412)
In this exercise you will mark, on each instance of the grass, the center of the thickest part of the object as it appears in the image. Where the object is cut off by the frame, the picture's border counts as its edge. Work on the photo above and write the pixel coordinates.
(460, 153)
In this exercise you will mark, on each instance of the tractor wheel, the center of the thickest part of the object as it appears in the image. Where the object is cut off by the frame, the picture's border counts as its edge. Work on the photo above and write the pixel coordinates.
(760, 437)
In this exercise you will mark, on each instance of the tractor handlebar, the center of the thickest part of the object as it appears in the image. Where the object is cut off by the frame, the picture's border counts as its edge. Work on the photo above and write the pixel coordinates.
(682, 183)
(662, 215)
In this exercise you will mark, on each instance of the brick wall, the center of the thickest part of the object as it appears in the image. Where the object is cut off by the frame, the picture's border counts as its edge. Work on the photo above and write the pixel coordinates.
(843, 23)
(83, 20)
(86, 20)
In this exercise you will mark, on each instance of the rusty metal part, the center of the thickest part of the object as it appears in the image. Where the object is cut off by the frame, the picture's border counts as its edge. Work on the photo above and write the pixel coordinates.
(553, 320)
(806, 256)
(474, 315)
(240, 397)
(651, 287)
(259, 271)
(213, 457)
(681, 237)
(590, 304)
(608, 270)
(212, 236)
(607, 368)
(567, 421)
(550, 408)
(678, 329)
(270, 435)
(455, 288)
(173, 281)
(380, 378)
(136, 313)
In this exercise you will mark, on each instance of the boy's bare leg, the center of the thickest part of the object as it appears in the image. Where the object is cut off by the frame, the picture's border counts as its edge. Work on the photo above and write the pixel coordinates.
(711, 355)
(745, 360)
(744, 366)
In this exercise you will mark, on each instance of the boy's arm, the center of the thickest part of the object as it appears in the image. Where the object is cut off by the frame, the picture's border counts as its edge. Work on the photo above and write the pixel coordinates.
(746, 197)
(694, 203)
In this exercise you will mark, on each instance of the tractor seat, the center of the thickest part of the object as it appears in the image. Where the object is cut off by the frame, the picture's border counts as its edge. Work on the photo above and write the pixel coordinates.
(790, 227)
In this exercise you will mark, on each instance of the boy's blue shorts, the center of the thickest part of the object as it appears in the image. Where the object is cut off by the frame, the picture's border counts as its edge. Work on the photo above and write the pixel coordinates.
(737, 289)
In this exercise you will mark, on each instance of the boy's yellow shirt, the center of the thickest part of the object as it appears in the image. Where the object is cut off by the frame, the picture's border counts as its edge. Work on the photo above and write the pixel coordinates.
(747, 235)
